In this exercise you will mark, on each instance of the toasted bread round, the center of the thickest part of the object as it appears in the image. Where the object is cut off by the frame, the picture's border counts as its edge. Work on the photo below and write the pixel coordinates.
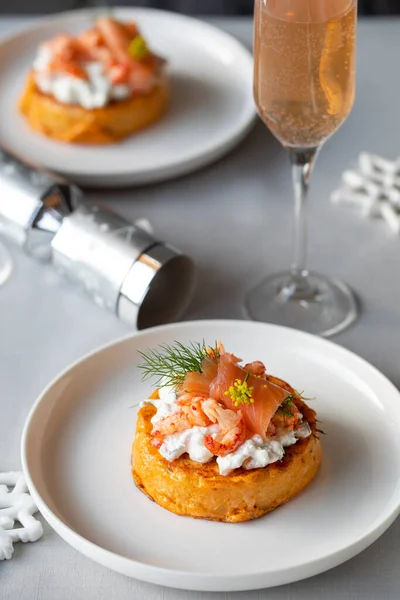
(75, 124)
(188, 488)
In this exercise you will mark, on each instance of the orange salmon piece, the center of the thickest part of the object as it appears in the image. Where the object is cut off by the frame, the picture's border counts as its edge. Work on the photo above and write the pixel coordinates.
(267, 395)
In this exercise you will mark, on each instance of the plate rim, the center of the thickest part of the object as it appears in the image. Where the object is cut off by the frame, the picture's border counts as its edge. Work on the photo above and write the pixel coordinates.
(190, 580)
(169, 170)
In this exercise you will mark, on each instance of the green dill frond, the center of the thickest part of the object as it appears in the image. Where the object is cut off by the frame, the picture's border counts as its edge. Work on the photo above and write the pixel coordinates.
(168, 364)
(287, 404)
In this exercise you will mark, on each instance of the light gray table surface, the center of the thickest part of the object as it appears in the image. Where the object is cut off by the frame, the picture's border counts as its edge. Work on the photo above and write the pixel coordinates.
(234, 218)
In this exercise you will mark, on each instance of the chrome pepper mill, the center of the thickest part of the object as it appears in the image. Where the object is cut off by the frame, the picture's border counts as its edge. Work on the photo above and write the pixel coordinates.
(32, 205)
(126, 270)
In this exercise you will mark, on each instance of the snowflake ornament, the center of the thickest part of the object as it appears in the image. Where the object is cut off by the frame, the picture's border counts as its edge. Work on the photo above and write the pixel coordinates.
(373, 189)
(16, 505)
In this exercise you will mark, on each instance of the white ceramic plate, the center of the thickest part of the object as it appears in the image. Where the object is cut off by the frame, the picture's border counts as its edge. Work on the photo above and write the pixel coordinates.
(76, 457)
(212, 107)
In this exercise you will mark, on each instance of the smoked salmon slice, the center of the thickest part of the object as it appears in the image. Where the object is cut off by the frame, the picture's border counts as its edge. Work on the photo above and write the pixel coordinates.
(199, 383)
(217, 377)
(267, 396)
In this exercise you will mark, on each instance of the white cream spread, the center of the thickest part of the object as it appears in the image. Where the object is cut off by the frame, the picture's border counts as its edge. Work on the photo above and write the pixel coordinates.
(190, 441)
(256, 452)
(94, 92)
(166, 404)
(252, 454)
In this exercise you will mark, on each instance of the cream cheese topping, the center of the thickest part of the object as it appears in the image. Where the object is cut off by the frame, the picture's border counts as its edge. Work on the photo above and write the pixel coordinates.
(94, 92)
(252, 454)
(190, 441)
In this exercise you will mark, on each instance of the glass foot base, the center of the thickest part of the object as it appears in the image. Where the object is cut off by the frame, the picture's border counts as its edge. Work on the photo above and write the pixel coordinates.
(312, 303)
(5, 264)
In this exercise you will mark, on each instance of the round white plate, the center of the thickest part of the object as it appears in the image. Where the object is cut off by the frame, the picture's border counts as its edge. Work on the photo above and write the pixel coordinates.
(211, 110)
(76, 457)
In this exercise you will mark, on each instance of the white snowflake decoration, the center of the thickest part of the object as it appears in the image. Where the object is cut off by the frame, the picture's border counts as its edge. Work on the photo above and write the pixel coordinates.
(374, 189)
(16, 505)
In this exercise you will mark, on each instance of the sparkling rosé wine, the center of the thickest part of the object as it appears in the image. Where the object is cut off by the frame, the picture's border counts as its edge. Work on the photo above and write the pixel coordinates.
(304, 67)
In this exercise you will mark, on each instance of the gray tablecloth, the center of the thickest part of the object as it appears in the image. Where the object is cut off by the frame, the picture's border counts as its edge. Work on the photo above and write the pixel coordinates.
(234, 218)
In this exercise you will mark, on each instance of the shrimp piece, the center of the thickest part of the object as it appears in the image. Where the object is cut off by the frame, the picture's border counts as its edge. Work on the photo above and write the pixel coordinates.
(61, 45)
(232, 429)
(71, 67)
(141, 76)
(65, 52)
(220, 349)
(90, 42)
(188, 416)
(284, 420)
(116, 38)
(131, 29)
(92, 45)
(188, 398)
(255, 368)
(119, 73)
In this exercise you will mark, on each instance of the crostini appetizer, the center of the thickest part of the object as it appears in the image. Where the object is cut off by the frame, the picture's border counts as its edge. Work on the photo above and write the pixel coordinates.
(218, 440)
(95, 88)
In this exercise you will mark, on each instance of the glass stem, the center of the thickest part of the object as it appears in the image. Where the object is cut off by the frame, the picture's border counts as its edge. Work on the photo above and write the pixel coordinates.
(302, 161)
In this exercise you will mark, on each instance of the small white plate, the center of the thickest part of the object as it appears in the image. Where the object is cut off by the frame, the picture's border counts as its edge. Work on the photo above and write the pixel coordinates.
(76, 457)
(211, 110)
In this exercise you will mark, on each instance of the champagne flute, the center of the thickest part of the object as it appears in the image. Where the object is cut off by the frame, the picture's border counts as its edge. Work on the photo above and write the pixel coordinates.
(304, 85)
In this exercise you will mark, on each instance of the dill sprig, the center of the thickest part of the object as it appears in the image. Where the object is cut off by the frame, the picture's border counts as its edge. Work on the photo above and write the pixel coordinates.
(287, 404)
(170, 363)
